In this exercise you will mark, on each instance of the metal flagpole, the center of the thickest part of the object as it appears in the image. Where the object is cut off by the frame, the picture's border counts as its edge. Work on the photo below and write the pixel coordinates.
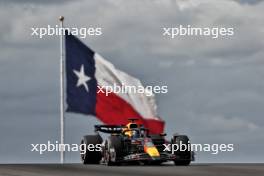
(61, 92)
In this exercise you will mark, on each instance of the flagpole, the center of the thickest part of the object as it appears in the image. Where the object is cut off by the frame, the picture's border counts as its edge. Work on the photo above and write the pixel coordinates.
(61, 92)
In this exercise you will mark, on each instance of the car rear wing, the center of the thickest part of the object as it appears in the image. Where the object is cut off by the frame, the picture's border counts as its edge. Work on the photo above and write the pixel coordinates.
(117, 129)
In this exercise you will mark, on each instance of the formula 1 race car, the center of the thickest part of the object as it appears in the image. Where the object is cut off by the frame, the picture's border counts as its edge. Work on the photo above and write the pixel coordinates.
(133, 143)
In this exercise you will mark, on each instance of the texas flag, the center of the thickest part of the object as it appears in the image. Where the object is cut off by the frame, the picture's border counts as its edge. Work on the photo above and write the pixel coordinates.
(88, 73)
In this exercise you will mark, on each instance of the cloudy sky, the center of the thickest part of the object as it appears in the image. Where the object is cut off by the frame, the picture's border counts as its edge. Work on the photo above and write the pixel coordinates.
(216, 87)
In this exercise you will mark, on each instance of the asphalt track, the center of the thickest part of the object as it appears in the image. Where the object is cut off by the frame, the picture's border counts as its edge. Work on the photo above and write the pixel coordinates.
(102, 170)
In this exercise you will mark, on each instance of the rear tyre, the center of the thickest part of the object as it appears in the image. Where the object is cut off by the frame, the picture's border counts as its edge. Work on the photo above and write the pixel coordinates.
(113, 152)
(184, 157)
(91, 157)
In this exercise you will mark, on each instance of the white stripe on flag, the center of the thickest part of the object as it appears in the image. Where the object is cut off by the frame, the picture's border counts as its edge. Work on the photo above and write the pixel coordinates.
(107, 75)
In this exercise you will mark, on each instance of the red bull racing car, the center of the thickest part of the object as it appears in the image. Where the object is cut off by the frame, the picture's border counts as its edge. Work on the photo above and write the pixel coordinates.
(133, 143)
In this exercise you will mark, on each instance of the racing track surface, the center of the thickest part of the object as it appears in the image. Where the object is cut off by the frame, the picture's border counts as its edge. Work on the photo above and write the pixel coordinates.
(102, 170)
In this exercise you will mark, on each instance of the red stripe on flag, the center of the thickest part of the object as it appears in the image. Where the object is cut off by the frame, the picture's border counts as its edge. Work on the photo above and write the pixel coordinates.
(113, 110)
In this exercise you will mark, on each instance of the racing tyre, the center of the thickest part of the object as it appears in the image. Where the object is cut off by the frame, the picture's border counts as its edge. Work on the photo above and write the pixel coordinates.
(91, 157)
(113, 150)
(184, 156)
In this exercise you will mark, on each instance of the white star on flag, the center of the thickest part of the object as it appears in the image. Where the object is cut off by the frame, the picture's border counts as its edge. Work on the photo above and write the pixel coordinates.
(82, 78)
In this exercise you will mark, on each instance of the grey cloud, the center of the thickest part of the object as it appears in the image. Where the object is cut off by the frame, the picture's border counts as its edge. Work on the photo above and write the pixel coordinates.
(33, 2)
(249, 1)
